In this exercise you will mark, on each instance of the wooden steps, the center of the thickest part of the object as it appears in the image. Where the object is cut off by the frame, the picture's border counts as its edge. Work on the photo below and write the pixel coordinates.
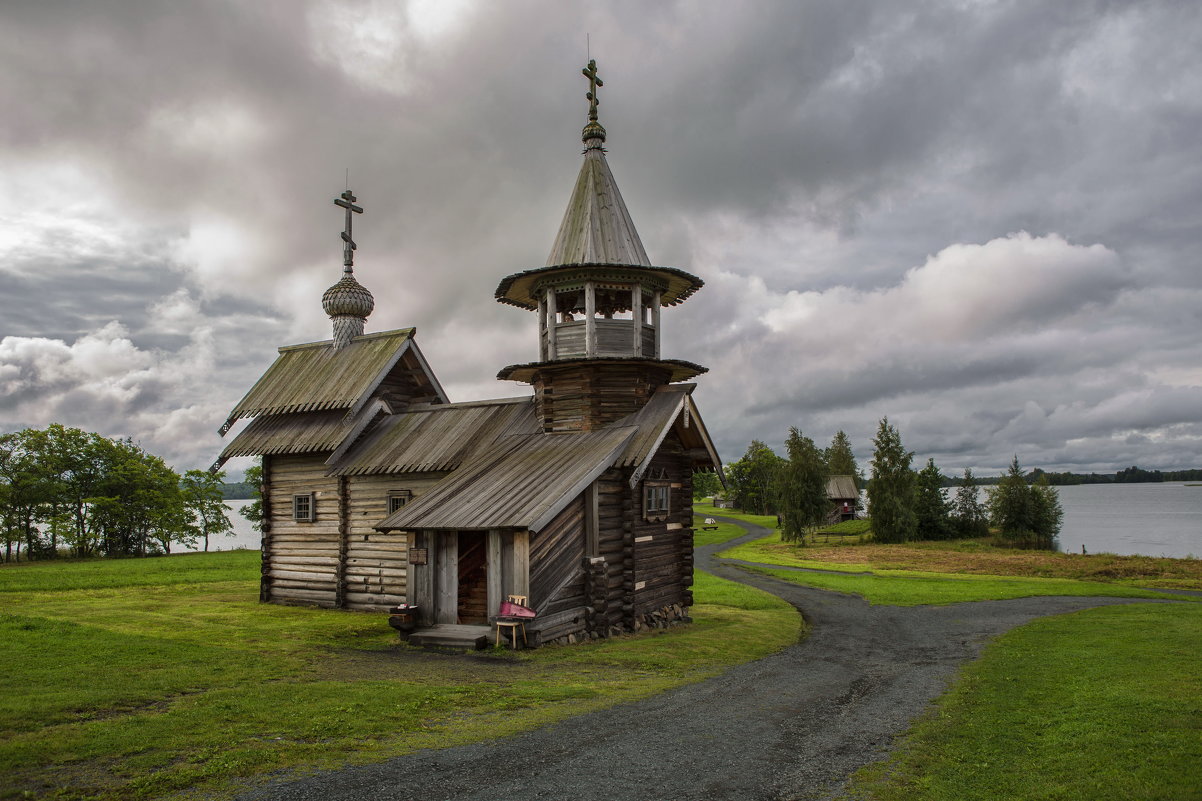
(448, 635)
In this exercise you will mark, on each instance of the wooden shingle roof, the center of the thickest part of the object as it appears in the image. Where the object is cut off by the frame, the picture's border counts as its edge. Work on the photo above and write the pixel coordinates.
(307, 432)
(521, 481)
(670, 407)
(596, 227)
(841, 487)
(316, 377)
(436, 437)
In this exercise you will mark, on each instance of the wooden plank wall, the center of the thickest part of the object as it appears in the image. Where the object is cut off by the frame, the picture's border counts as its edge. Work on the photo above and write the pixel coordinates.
(337, 560)
(377, 563)
(301, 559)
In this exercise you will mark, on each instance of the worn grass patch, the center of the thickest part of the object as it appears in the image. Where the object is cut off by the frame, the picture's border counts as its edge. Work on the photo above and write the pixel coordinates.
(914, 588)
(976, 557)
(158, 677)
(1101, 704)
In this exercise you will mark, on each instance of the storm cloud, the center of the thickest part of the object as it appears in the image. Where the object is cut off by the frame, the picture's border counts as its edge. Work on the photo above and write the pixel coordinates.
(977, 218)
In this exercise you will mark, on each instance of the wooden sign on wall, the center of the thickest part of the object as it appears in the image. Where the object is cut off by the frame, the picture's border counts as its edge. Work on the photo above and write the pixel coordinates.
(419, 556)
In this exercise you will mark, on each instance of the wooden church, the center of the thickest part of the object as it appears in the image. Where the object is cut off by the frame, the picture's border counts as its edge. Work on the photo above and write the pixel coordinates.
(378, 491)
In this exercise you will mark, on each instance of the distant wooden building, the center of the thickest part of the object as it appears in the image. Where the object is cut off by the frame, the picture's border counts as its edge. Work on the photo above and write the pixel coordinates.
(379, 491)
(842, 492)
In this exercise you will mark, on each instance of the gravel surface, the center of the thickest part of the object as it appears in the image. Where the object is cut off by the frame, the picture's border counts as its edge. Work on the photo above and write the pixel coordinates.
(794, 725)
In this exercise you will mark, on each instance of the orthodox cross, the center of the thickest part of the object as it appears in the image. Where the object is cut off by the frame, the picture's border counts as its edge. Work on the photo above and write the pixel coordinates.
(594, 80)
(348, 248)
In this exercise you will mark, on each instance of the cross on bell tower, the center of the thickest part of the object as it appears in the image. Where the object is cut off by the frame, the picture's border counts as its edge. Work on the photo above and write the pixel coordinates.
(598, 302)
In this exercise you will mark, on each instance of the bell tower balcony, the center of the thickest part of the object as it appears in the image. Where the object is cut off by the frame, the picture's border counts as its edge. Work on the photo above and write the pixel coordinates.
(590, 319)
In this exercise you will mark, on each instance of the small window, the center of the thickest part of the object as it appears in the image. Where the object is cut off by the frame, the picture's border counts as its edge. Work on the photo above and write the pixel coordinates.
(302, 508)
(397, 499)
(655, 500)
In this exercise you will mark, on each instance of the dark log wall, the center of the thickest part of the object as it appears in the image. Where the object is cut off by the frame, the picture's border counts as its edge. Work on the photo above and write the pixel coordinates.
(557, 576)
(587, 397)
(612, 583)
(338, 560)
(663, 550)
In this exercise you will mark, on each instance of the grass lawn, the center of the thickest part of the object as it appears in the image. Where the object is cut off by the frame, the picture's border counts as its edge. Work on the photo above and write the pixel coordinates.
(976, 557)
(1101, 704)
(913, 588)
(157, 677)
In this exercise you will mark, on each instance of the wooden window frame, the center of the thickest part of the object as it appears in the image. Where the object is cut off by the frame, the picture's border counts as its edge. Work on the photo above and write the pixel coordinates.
(304, 500)
(397, 499)
(653, 493)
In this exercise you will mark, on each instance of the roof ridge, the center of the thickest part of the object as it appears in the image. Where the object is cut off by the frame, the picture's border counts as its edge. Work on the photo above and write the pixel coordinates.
(412, 331)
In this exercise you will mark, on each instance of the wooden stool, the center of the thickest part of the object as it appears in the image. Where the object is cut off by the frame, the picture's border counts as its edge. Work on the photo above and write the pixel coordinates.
(513, 624)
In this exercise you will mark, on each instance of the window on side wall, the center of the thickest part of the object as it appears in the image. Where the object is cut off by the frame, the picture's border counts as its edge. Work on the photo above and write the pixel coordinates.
(656, 496)
(397, 499)
(303, 508)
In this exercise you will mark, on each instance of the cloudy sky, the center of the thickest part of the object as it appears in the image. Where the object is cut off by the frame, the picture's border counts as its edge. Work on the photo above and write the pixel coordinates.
(981, 219)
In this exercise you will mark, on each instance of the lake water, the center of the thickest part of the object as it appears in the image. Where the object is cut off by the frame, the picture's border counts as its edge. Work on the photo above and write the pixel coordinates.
(1149, 519)
(244, 536)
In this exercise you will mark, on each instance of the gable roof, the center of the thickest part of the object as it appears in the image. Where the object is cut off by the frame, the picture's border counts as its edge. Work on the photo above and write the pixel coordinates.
(435, 437)
(841, 487)
(521, 481)
(671, 407)
(316, 377)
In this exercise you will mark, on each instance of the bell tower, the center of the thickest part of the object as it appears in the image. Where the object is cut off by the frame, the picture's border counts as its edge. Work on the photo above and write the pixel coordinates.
(598, 302)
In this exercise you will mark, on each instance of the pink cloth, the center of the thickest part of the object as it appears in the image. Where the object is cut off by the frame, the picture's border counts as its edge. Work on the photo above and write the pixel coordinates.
(510, 609)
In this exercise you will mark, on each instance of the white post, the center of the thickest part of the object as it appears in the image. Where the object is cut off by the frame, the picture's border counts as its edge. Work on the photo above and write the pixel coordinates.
(590, 320)
(552, 325)
(655, 300)
(636, 317)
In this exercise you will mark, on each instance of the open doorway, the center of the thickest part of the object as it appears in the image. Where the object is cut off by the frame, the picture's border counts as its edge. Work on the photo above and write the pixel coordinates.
(473, 578)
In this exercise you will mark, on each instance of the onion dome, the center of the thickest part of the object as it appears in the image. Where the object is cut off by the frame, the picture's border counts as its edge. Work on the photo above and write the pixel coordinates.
(348, 297)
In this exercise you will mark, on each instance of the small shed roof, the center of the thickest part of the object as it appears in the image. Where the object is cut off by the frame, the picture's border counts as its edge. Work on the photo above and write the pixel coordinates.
(316, 377)
(435, 437)
(307, 432)
(521, 481)
(841, 487)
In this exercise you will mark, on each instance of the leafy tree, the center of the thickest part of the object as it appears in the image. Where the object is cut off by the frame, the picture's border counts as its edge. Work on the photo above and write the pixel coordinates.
(931, 508)
(23, 491)
(801, 488)
(253, 511)
(968, 513)
(891, 490)
(753, 479)
(840, 461)
(202, 498)
(705, 484)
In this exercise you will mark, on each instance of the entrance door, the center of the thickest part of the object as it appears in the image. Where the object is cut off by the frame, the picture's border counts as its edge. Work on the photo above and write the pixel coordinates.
(473, 578)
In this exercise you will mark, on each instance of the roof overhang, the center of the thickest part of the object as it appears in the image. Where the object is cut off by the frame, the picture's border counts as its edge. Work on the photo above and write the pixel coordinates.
(521, 289)
(678, 370)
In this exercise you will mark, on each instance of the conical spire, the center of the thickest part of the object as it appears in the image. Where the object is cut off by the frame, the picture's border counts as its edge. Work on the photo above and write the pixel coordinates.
(596, 228)
(348, 302)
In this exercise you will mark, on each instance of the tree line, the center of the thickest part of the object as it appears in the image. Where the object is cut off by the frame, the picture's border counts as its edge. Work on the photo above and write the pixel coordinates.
(904, 504)
(65, 491)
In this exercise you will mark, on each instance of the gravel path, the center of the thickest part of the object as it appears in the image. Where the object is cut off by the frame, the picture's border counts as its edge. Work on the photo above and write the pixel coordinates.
(794, 725)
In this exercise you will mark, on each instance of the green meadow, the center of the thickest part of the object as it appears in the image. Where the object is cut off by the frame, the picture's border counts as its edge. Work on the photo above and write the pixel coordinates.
(162, 677)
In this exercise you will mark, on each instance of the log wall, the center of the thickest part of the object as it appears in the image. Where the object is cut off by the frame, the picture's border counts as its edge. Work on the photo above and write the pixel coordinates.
(338, 559)
(587, 397)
